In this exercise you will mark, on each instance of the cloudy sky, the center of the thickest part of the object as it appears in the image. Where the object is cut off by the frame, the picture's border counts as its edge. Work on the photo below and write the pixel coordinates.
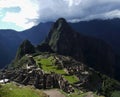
(23, 14)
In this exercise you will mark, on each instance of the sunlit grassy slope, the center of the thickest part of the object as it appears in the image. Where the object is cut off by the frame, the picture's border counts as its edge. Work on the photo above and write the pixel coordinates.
(12, 90)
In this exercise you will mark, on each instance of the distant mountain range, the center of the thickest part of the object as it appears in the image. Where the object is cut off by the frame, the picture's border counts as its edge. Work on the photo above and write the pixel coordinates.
(107, 30)
(10, 40)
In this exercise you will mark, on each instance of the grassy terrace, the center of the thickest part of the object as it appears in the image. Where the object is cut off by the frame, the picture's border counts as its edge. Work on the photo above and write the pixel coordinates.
(12, 90)
(48, 65)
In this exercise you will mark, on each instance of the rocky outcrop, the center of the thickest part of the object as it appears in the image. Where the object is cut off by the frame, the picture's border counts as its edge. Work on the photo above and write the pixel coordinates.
(30, 74)
(25, 48)
(63, 40)
(93, 52)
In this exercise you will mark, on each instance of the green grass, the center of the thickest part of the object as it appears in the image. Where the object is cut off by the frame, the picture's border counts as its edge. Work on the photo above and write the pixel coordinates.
(71, 79)
(12, 90)
(48, 65)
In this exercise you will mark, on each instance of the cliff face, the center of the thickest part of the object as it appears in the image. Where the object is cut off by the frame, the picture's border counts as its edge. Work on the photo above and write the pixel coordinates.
(96, 53)
(64, 40)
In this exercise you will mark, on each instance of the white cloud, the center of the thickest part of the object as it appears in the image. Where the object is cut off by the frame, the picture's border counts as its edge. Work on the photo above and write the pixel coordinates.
(35, 11)
(18, 19)
(114, 13)
(29, 11)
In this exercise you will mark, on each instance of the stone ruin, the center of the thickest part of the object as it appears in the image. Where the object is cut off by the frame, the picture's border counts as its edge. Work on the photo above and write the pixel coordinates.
(32, 75)
(38, 78)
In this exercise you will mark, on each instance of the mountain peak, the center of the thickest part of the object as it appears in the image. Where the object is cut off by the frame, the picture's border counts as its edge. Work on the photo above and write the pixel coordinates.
(25, 48)
(61, 37)
(65, 41)
(61, 25)
(60, 28)
(61, 20)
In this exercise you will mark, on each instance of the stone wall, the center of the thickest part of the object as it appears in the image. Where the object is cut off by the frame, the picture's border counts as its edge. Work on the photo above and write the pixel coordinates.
(39, 79)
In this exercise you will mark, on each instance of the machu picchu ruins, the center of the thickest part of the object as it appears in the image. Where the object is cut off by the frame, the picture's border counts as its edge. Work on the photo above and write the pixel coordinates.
(32, 74)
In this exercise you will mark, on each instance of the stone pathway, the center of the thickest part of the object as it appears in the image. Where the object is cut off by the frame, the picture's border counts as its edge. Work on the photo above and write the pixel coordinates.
(54, 93)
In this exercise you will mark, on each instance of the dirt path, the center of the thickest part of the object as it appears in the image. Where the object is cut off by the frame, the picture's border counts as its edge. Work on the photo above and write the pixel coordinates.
(54, 93)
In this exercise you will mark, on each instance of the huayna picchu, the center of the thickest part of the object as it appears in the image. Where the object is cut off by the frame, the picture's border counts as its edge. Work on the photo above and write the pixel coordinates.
(66, 60)
(94, 52)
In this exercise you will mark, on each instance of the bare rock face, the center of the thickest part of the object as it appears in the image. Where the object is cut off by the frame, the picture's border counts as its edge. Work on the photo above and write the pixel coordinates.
(94, 52)
(63, 39)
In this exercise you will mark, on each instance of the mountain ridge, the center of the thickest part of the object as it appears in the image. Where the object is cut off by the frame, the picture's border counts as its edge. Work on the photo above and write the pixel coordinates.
(91, 28)
(10, 40)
